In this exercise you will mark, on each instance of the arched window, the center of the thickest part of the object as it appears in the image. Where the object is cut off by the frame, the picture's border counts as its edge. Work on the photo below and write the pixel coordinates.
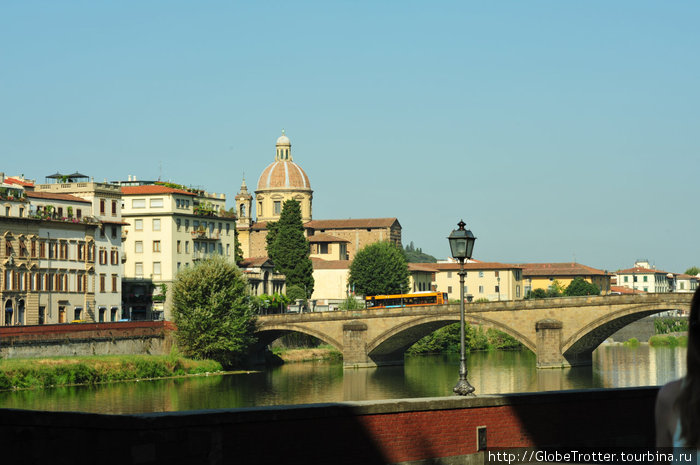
(20, 312)
(8, 312)
(242, 215)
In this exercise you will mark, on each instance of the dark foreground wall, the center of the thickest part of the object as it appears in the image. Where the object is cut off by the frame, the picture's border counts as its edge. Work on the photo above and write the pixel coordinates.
(372, 432)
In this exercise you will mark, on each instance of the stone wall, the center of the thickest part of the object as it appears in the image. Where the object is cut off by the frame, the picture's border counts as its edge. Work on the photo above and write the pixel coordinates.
(125, 338)
(408, 431)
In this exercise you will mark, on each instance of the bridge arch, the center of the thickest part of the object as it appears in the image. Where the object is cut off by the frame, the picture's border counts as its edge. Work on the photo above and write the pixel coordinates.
(270, 332)
(590, 336)
(392, 343)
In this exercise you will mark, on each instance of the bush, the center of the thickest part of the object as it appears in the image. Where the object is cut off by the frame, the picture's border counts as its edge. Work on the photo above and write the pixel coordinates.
(665, 325)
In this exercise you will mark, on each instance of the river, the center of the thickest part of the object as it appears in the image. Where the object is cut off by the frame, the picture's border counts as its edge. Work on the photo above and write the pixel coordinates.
(497, 372)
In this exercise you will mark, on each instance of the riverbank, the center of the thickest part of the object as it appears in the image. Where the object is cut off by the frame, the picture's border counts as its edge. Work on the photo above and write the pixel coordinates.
(66, 371)
(313, 354)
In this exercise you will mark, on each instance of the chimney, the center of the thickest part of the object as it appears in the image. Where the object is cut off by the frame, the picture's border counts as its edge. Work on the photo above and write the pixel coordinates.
(2, 177)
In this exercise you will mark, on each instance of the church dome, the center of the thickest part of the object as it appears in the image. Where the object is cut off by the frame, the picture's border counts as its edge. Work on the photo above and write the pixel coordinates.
(283, 174)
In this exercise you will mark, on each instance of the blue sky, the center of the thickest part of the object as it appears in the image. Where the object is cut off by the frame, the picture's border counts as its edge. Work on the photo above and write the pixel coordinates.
(556, 130)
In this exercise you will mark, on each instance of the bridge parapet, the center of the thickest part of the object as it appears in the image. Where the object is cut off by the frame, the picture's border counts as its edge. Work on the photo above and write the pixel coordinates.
(379, 336)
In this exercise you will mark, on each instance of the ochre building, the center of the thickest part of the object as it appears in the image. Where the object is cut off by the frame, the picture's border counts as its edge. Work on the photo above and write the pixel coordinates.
(283, 180)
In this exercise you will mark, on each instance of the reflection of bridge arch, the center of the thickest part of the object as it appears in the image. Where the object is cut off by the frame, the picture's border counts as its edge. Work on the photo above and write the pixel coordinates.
(561, 331)
(391, 344)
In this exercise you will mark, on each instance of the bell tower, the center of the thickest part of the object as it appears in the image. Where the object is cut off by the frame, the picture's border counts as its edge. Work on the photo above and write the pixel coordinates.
(243, 203)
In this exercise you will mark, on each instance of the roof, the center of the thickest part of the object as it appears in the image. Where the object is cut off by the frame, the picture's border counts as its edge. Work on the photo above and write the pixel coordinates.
(19, 182)
(625, 290)
(352, 223)
(424, 267)
(560, 269)
(471, 266)
(121, 223)
(685, 276)
(153, 189)
(253, 262)
(640, 270)
(325, 238)
(320, 264)
(52, 196)
(283, 174)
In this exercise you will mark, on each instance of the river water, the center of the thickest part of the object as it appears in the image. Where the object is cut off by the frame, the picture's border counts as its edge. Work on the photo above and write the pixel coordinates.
(497, 372)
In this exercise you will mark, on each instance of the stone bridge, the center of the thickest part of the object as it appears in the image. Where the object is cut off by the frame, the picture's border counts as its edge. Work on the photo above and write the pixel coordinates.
(560, 331)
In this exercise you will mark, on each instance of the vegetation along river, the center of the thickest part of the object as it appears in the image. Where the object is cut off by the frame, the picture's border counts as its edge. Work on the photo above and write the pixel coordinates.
(494, 372)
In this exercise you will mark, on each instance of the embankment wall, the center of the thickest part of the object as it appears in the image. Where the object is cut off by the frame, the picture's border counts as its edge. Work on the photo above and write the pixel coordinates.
(407, 431)
(118, 338)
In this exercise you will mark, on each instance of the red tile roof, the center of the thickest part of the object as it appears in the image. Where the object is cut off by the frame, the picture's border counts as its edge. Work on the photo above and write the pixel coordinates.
(320, 264)
(19, 182)
(325, 238)
(640, 270)
(560, 269)
(153, 189)
(253, 262)
(685, 276)
(625, 290)
(425, 267)
(471, 266)
(352, 223)
(52, 196)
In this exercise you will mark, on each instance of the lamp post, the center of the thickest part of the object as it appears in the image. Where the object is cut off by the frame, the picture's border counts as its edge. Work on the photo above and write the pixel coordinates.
(462, 245)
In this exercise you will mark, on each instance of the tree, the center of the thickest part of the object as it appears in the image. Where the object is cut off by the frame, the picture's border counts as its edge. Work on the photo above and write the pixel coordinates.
(415, 255)
(536, 294)
(580, 286)
(288, 248)
(693, 271)
(379, 268)
(212, 312)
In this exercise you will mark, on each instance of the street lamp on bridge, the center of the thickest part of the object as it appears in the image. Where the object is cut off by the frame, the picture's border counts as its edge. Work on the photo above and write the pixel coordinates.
(462, 244)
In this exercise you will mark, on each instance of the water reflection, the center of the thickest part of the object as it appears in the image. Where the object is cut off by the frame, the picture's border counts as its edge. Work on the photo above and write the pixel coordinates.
(421, 376)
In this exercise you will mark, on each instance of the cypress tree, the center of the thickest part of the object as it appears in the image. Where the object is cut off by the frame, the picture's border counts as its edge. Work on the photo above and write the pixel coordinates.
(288, 248)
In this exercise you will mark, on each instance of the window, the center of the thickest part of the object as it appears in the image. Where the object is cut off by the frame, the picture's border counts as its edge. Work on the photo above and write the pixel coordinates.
(323, 248)
(187, 246)
(91, 252)
(7, 211)
(187, 225)
(114, 208)
(156, 269)
(114, 257)
(33, 248)
(449, 274)
(114, 283)
(497, 289)
(156, 224)
(138, 246)
(178, 266)
(481, 274)
(102, 206)
(52, 249)
(42, 249)
(60, 212)
(156, 246)
(481, 289)
(138, 270)
(228, 250)
(42, 312)
(179, 246)
(138, 203)
(138, 225)
(260, 209)
(157, 203)
(78, 213)
(645, 278)
(113, 231)
(626, 278)
(103, 279)
(177, 222)
(449, 289)
(517, 291)
(103, 256)
(39, 281)
(228, 228)
(22, 249)
(79, 282)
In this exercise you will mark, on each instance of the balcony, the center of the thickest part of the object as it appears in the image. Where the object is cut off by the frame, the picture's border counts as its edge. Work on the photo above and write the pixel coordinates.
(205, 235)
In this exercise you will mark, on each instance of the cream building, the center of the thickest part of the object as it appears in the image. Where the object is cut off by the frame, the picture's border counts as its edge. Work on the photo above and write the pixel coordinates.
(56, 266)
(170, 229)
(543, 275)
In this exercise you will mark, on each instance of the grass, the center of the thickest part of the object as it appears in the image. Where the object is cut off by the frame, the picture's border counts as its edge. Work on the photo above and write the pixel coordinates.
(322, 352)
(63, 371)
(661, 340)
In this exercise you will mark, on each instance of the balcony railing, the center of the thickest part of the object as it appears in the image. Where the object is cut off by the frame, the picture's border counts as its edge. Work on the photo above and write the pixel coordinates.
(206, 235)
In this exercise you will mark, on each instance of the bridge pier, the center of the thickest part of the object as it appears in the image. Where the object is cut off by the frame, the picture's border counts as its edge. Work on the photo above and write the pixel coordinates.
(355, 345)
(548, 333)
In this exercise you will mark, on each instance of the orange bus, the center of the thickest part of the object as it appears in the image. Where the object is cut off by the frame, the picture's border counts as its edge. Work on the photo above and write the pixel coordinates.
(406, 300)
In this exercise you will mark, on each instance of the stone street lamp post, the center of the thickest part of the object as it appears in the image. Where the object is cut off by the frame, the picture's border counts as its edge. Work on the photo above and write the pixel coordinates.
(462, 245)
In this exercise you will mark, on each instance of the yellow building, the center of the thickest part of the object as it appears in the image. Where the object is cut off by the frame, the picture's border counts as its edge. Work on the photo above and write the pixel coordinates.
(543, 275)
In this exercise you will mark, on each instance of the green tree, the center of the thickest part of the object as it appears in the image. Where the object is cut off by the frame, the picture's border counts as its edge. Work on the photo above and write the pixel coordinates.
(288, 248)
(580, 286)
(212, 311)
(415, 255)
(379, 268)
(693, 271)
(295, 292)
(238, 251)
(538, 293)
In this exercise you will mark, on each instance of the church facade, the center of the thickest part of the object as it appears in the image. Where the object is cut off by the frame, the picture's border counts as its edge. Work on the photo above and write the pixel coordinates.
(282, 180)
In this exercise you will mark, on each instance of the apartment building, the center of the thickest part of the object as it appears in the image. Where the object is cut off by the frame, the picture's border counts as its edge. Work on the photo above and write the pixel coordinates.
(55, 266)
(543, 275)
(484, 280)
(168, 229)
